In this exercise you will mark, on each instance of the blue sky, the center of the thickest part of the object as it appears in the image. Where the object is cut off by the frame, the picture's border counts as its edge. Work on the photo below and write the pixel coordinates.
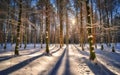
(35, 1)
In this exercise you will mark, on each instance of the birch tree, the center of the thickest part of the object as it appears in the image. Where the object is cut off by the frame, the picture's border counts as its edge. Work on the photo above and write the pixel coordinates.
(18, 29)
(81, 26)
(89, 30)
(47, 24)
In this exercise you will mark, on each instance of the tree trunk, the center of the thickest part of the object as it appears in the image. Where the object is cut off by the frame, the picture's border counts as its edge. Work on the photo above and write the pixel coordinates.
(113, 36)
(67, 35)
(41, 31)
(7, 27)
(25, 38)
(21, 37)
(61, 23)
(92, 23)
(101, 26)
(6, 35)
(18, 29)
(47, 26)
(35, 37)
(107, 19)
(81, 28)
(89, 29)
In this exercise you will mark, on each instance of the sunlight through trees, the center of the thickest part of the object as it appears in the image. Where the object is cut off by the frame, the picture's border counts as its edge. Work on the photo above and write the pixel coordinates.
(60, 22)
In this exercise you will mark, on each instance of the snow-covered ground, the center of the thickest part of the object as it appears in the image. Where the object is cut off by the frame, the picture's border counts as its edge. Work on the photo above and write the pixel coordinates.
(62, 61)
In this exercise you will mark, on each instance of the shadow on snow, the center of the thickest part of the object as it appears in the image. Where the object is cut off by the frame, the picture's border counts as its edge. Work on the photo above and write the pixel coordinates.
(82, 52)
(67, 64)
(57, 65)
(19, 65)
(59, 62)
(98, 69)
(3, 58)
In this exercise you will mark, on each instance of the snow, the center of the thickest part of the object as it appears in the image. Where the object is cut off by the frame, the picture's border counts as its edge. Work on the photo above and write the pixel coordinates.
(62, 61)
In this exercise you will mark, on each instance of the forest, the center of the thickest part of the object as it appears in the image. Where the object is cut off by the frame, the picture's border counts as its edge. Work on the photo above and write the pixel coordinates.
(59, 37)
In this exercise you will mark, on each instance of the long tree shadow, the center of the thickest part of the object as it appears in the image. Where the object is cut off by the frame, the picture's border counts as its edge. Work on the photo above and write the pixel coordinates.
(82, 52)
(57, 65)
(67, 64)
(112, 61)
(98, 69)
(39, 51)
(3, 58)
(19, 65)
(33, 52)
(110, 55)
(5, 51)
(55, 51)
(52, 48)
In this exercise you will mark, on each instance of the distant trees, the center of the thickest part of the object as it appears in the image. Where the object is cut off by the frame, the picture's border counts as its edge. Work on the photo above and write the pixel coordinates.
(40, 6)
(49, 21)
(106, 8)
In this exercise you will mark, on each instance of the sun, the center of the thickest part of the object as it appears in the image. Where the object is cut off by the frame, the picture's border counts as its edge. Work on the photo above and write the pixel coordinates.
(73, 21)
